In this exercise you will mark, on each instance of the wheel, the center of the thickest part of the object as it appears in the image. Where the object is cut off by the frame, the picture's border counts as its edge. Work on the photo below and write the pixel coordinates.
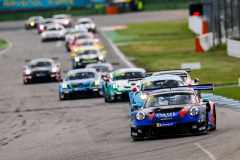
(95, 94)
(43, 40)
(74, 66)
(105, 98)
(53, 79)
(215, 119)
(206, 123)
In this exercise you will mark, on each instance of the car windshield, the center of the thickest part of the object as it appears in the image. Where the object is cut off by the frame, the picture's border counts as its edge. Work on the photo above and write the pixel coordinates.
(86, 52)
(126, 75)
(47, 22)
(86, 43)
(84, 22)
(82, 36)
(80, 75)
(54, 29)
(40, 64)
(100, 68)
(160, 84)
(170, 99)
(60, 17)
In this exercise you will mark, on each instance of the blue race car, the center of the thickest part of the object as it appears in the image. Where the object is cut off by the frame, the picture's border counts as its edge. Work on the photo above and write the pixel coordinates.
(81, 82)
(149, 84)
(173, 111)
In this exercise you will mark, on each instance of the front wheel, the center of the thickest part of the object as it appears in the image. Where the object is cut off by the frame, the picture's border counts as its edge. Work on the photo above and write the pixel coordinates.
(215, 119)
(206, 123)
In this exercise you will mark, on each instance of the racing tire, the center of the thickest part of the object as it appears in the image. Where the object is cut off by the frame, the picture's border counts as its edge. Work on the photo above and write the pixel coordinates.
(215, 120)
(105, 99)
(43, 40)
(60, 98)
(53, 79)
(95, 94)
(206, 122)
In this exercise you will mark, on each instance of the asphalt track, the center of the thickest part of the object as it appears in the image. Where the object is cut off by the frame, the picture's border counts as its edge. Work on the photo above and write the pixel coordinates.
(34, 124)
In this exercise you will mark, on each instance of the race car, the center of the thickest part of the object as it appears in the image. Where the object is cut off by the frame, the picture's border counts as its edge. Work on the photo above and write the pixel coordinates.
(72, 41)
(41, 69)
(53, 32)
(86, 23)
(103, 69)
(149, 84)
(116, 86)
(80, 43)
(63, 19)
(32, 22)
(180, 72)
(175, 111)
(44, 24)
(80, 82)
(70, 35)
(88, 55)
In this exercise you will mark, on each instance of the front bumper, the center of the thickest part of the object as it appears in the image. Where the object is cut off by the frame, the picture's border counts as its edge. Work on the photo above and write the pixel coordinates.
(54, 37)
(81, 91)
(47, 77)
(151, 131)
(119, 95)
(83, 63)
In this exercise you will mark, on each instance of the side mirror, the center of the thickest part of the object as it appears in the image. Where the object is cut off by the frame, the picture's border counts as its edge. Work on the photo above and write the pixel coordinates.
(196, 80)
(104, 52)
(134, 89)
(58, 64)
(60, 80)
(106, 79)
(24, 67)
(135, 107)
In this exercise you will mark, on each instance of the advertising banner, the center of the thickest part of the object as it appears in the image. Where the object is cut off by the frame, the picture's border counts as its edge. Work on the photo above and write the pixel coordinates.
(28, 4)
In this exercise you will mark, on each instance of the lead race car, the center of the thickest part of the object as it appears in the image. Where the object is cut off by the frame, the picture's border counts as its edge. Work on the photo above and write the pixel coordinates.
(41, 69)
(116, 86)
(80, 82)
(174, 111)
(149, 84)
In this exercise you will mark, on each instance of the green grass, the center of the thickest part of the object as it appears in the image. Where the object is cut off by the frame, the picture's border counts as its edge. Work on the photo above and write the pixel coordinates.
(230, 92)
(175, 44)
(3, 44)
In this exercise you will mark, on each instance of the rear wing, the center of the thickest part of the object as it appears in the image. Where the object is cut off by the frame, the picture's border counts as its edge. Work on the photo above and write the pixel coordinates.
(185, 69)
(202, 87)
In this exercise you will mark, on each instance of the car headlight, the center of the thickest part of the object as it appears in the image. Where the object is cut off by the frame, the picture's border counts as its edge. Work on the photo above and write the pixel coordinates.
(97, 83)
(100, 57)
(54, 70)
(77, 59)
(140, 116)
(66, 21)
(93, 26)
(143, 96)
(41, 27)
(64, 85)
(32, 23)
(115, 86)
(28, 72)
(75, 50)
(194, 111)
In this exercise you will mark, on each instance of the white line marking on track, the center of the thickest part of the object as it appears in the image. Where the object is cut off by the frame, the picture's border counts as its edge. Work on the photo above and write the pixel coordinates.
(10, 46)
(206, 151)
(119, 53)
(59, 43)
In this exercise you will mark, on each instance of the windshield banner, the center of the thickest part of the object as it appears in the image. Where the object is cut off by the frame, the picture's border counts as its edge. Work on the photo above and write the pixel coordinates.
(28, 4)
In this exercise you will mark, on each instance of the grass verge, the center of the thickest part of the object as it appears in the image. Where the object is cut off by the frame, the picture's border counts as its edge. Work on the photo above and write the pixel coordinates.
(229, 92)
(174, 45)
(3, 44)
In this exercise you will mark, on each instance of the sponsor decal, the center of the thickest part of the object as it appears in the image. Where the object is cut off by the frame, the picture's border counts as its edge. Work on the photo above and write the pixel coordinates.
(167, 124)
(90, 60)
(166, 115)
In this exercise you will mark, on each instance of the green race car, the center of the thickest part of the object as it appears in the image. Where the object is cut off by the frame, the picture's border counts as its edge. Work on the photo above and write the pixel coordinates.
(116, 85)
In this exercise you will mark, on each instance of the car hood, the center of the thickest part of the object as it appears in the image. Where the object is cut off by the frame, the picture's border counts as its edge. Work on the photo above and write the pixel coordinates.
(89, 80)
(89, 56)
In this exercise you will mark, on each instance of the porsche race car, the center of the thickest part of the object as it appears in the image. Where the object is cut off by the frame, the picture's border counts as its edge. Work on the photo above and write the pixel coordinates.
(33, 22)
(86, 23)
(149, 84)
(41, 69)
(175, 111)
(88, 55)
(53, 32)
(44, 24)
(80, 82)
(116, 86)
(63, 19)
(70, 35)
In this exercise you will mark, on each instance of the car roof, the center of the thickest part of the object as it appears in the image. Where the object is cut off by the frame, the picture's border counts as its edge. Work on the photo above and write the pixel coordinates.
(82, 70)
(99, 64)
(162, 77)
(84, 19)
(129, 70)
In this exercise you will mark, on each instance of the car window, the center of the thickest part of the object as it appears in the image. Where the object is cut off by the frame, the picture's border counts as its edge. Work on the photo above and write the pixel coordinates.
(40, 64)
(160, 84)
(86, 52)
(127, 75)
(84, 22)
(54, 29)
(86, 43)
(170, 99)
(100, 68)
(80, 75)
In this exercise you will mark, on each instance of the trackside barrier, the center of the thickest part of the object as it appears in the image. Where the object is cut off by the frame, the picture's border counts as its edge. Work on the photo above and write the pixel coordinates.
(203, 42)
(197, 25)
(112, 10)
(233, 48)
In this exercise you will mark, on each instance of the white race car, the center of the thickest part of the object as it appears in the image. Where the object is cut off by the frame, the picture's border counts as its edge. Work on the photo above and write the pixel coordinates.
(53, 32)
(63, 19)
(86, 23)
